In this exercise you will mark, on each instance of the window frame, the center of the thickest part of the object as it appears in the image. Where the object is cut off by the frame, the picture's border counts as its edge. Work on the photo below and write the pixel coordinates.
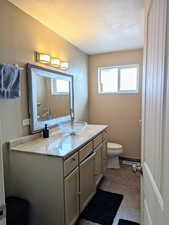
(118, 85)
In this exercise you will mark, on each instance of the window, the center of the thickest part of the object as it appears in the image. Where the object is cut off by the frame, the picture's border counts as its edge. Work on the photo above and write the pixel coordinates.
(120, 79)
(60, 87)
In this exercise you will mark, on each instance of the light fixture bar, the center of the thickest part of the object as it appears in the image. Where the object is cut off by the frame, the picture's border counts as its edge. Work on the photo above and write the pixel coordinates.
(52, 61)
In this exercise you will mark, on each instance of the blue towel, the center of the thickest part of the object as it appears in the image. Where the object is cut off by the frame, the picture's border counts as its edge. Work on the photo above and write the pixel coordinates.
(9, 81)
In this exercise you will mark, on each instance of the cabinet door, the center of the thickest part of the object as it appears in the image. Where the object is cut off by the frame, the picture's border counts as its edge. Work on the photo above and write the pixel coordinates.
(87, 181)
(72, 197)
(104, 157)
(98, 164)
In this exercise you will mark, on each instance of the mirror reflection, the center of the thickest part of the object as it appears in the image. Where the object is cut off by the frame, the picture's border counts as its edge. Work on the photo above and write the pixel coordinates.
(53, 97)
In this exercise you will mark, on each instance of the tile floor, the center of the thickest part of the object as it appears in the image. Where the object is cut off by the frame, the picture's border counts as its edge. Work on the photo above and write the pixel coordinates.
(122, 181)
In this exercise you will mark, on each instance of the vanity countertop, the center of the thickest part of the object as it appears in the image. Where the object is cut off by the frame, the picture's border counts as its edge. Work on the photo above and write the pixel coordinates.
(58, 144)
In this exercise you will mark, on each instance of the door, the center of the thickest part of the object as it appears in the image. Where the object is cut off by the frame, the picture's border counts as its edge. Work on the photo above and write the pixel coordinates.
(2, 193)
(87, 181)
(98, 164)
(155, 116)
(72, 197)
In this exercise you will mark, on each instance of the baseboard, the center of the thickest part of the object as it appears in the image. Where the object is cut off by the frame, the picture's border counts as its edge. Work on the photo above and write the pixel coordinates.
(129, 159)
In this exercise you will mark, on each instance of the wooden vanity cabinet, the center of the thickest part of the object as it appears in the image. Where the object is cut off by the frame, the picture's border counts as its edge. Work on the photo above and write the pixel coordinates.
(58, 188)
(80, 185)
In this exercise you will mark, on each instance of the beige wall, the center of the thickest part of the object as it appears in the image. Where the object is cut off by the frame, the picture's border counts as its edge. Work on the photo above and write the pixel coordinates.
(20, 36)
(121, 112)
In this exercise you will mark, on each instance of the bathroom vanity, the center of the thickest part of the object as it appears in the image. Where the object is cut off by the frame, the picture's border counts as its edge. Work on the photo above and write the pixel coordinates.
(58, 175)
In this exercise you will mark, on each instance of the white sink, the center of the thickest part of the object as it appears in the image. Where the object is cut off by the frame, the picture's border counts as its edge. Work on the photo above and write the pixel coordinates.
(72, 128)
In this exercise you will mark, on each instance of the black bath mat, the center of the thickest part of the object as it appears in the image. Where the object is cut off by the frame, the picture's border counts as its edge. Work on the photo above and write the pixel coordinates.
(103, 207)
(126, 222)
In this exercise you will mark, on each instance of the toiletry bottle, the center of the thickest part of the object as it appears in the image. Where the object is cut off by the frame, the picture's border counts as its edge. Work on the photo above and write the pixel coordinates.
(46, 132)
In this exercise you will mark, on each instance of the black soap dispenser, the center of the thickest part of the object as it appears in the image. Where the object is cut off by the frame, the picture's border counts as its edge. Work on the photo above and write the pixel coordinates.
(46, 132)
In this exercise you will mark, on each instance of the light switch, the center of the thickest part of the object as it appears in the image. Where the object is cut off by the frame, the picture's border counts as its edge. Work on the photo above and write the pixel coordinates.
(25, 122)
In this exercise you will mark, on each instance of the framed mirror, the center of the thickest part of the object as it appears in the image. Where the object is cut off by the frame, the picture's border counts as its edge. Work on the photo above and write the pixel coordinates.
(51, 99)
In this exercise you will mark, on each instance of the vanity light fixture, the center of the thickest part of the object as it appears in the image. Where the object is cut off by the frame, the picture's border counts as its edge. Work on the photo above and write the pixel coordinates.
(51, 61)
(64, 65)
(55, 62)
(42, 58)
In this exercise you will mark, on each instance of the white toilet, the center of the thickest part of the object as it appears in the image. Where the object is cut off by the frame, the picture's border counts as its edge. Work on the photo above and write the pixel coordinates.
(113, 152)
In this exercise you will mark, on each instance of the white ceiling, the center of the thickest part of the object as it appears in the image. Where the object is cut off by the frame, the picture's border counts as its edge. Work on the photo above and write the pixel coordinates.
(94, 26)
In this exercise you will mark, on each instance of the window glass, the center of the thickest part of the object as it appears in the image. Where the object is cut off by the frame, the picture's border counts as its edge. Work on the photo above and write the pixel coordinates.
(109, 80)
(59, 87)
(128, 79)
(62, 86)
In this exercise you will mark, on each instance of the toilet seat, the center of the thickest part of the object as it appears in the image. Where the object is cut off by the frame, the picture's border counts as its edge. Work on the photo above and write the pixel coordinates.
(113, 146)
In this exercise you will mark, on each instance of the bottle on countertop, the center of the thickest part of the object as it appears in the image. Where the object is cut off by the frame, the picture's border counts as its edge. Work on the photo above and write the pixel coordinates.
(46, 132)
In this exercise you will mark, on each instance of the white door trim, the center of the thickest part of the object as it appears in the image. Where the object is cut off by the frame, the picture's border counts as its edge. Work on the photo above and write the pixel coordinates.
(153, 185)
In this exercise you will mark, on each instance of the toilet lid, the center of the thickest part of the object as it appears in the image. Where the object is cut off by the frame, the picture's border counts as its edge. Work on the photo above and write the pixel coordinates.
(114, 145)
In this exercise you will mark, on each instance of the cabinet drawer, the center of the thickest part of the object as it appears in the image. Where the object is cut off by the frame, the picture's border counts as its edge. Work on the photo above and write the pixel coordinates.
(70, 164)
(98, 140)
(85, 151)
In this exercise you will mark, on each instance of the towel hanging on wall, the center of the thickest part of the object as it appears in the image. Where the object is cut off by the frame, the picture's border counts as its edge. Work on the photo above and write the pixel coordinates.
(9, 81)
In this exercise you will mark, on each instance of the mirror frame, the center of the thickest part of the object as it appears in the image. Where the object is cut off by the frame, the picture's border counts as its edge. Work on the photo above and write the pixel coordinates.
(35, 125)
